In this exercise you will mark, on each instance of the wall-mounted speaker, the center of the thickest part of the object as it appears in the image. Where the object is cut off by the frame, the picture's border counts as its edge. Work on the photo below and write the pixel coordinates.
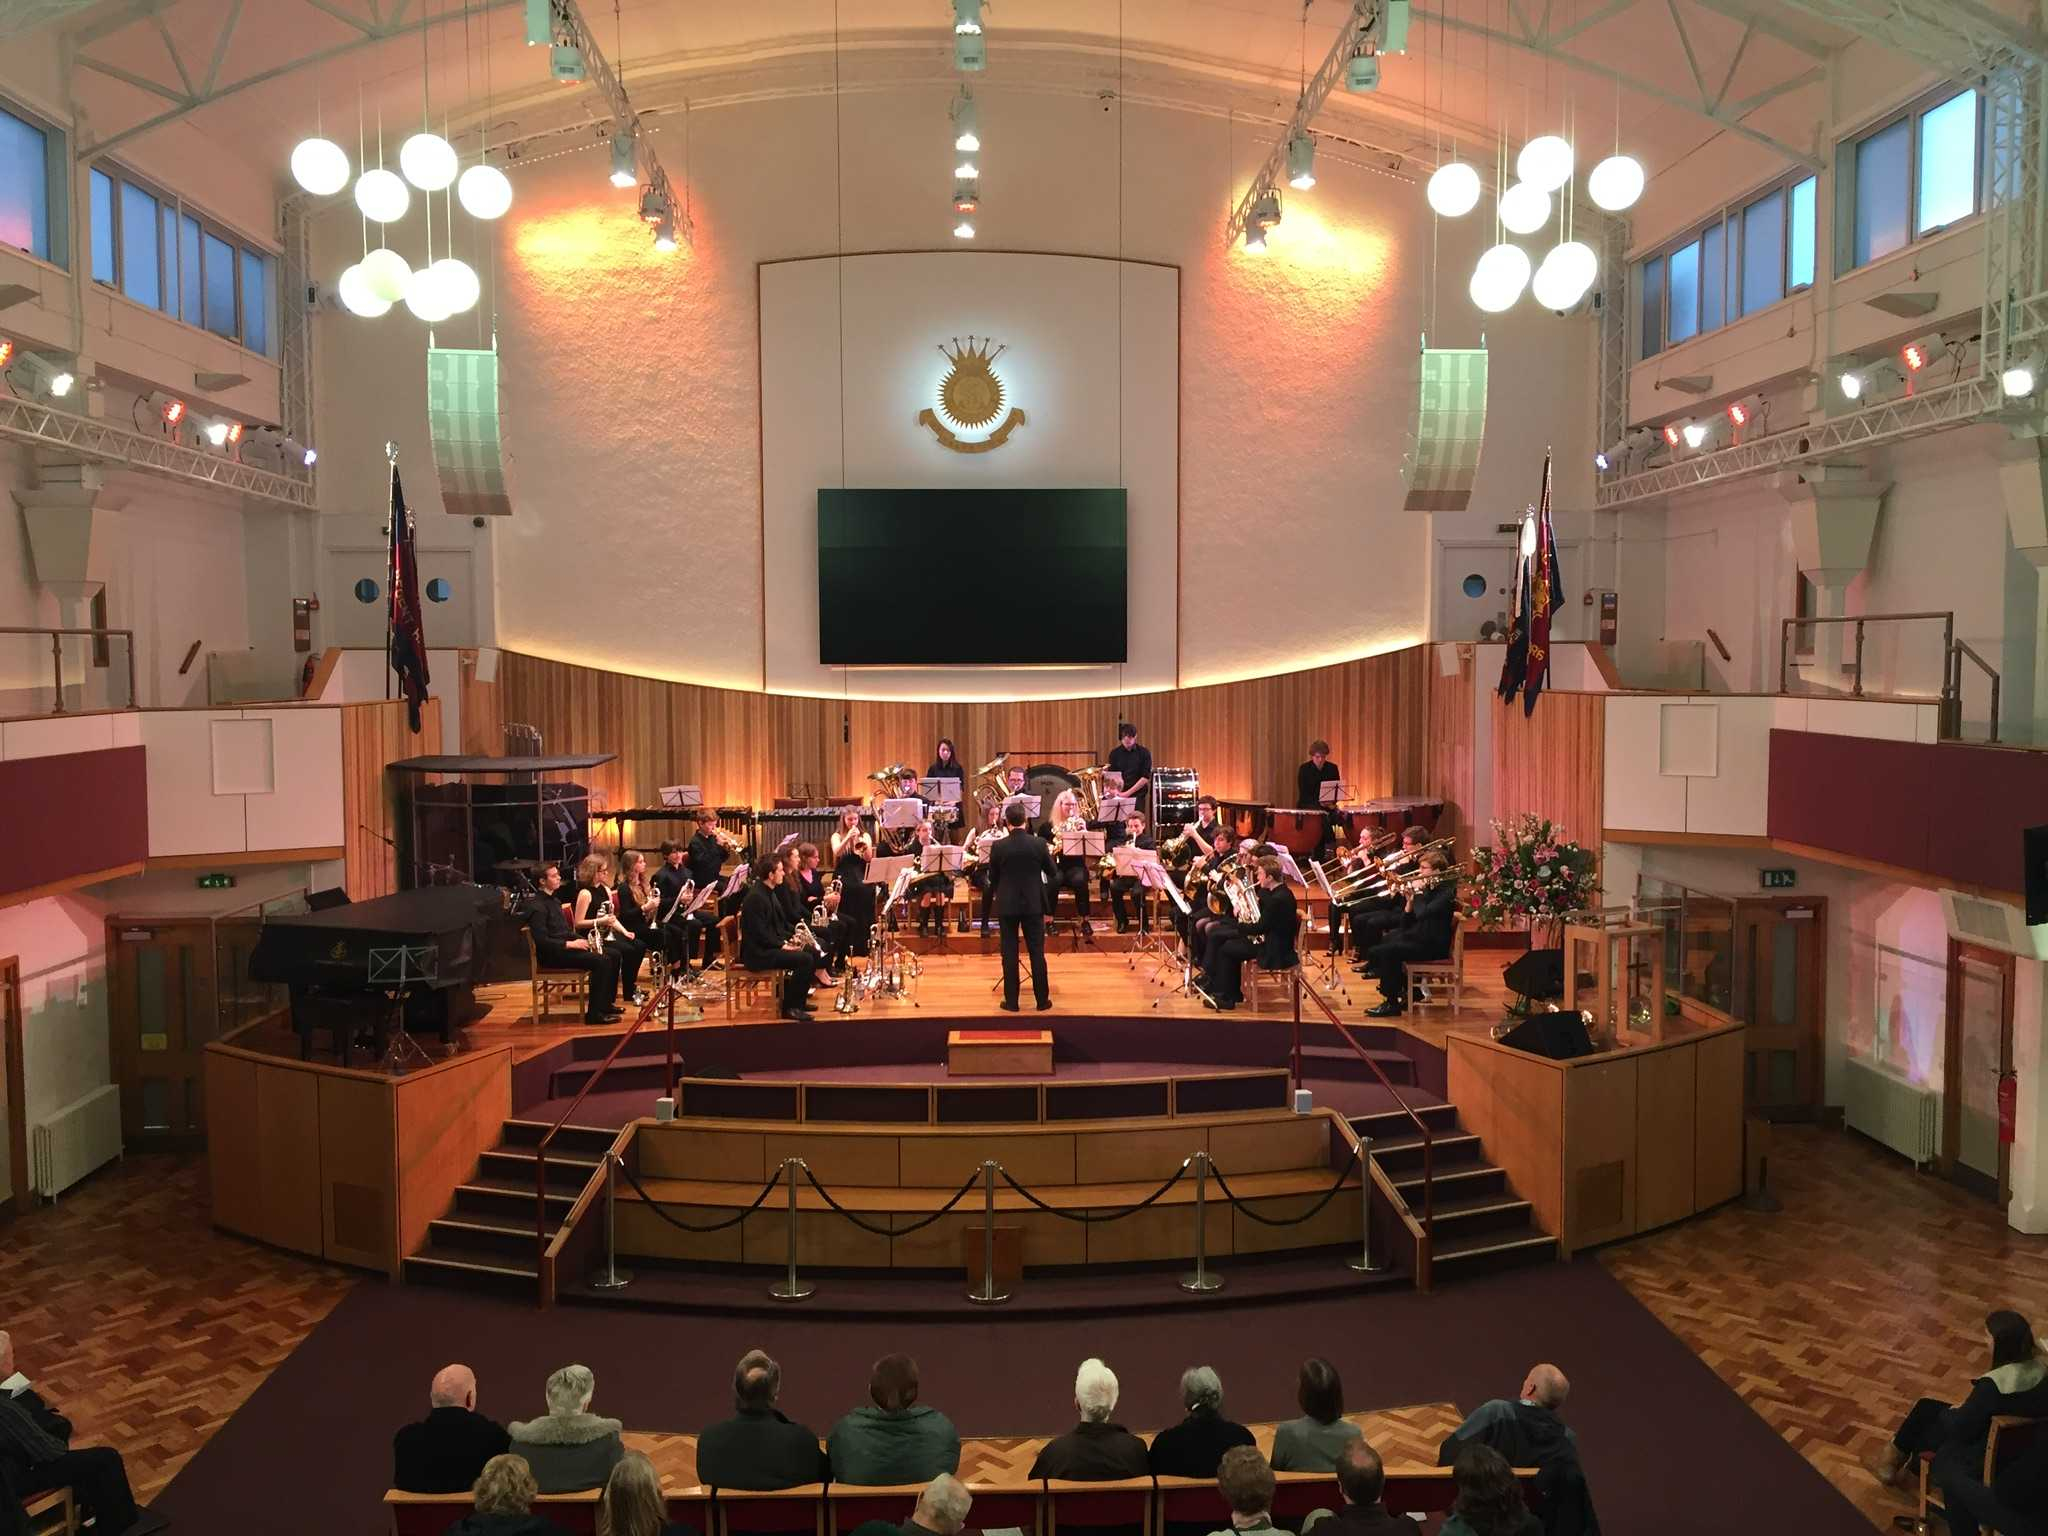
(1450, 427)
(462, 415)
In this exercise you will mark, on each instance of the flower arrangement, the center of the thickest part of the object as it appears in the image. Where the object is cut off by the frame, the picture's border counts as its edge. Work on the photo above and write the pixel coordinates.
(1531, 873)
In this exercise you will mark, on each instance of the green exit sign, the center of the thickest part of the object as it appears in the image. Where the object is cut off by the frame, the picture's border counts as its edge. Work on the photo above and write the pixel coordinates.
(1778, 879)
(217, 881)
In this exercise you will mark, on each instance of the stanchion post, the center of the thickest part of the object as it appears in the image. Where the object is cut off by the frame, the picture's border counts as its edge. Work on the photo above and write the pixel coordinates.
(789, 1288)
(1364, 1262)
(1201, 1280)
(988, 1295)
(613, 1278)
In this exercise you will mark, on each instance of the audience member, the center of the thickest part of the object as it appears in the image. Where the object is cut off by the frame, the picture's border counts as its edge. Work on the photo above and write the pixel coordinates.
(1529, 1433)
(1246, 1483)
(893, 1438)
(1364, 1482)
(2016, 1384)
(1311, 1442)
(569, 1448)
(504, 1495)
(1490, 1500)
(1194, 1447)
(36, 1455)
(2016, 1502)
(445, 1451)
(632, 1503)
(758, 1448)
(941, 1508)
(1094, 1450)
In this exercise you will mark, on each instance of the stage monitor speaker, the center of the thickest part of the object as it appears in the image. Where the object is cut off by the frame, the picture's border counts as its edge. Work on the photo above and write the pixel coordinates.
(1559, 1036)
(1450, 428)
(462, 414)
(2034, 854)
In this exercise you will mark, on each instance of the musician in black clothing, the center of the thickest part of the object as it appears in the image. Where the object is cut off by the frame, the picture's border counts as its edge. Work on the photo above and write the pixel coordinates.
(636, 901)
(1427, 935)
(1312, 775)
(1374, 920)
(979, 874)
(1193, 924)
(1071, 869)
(678, 892)
(1020, 865)
(946, 765)
(1134, 763)
(708, 849)
(558, 948)
(595, 916)
(930, 894)
(766, 944)
(1270, 937)
(1122, 889)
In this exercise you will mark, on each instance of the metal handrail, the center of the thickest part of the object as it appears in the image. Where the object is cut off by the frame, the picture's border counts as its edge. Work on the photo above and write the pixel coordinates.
(57, 653)
(1301, 986)
(1957, 652)
(1786, 626)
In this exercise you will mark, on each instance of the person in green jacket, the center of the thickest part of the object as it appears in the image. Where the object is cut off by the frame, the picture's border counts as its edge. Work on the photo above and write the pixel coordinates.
(893, 1438)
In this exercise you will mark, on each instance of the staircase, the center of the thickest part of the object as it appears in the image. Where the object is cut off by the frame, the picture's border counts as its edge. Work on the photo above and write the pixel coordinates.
(485, 1240)
(1481, 1224)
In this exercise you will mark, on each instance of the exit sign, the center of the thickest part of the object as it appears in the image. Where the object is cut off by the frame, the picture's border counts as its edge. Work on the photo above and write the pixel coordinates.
(215, 882)
(1778, 879)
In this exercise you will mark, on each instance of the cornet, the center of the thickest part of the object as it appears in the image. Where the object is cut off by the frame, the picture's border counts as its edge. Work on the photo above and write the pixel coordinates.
(726, 840)
(803, 935)
(600, 918)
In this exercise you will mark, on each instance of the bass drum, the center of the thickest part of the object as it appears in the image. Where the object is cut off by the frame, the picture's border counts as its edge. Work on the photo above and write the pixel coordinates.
(1174, 792)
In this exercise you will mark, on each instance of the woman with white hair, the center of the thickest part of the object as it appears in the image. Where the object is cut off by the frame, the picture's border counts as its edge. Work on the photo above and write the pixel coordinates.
(1194, 1447)
(1094, 1450)
(569, 1448)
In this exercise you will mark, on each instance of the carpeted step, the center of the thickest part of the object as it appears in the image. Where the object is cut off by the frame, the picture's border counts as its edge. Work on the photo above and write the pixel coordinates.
(487, 1195)
(588, 1139)
(1449, 1149)
(1341, 1062)
(632, 1070)
(1468, 1215)
(1382, 1124)
(1472, 1179)
(488, 1237)
(566, 1169)
(1477, 1253)
(472, 1271)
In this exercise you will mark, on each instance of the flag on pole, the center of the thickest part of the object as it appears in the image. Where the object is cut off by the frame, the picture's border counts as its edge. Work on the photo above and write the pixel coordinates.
(405, 639)
(1544, 581)
(1514, 665)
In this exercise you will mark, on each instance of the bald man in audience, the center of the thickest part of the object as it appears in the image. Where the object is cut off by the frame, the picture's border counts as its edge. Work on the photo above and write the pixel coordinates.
(445, 1452)
(36, 1455)
(1529, 1432)
(941, 1508)
(1364, 1482)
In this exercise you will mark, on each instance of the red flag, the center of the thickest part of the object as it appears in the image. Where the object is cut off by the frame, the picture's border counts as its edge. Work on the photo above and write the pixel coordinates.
(405, 639)
(1544, 581)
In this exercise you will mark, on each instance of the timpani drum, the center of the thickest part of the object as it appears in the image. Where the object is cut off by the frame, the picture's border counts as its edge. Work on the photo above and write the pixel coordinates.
(1393, 812)
(1299, 832)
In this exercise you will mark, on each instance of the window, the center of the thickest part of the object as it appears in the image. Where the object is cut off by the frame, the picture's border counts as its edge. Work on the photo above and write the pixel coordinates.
(1948, 164)
(1881, 192)
(1713, 276)
(1763, 252)
(1915, 174)
(1683, 292)
(25, 152)
(160, 252)
(1653, 306)
(1799, 248)
(1743, 259)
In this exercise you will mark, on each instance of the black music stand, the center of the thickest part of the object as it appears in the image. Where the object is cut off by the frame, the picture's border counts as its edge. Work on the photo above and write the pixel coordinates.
(397, 968)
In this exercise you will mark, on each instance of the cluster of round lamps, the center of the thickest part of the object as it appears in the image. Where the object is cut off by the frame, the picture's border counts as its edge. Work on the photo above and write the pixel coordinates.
(383, 278)
(1544, 167)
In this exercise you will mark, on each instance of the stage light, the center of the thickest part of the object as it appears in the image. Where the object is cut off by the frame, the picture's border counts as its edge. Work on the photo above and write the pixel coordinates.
(966, 170)
(1454, 189)
(2019, 380)
(623, 172)
(964, 230)
(428, 161)
(270, 448)
(51, 380)
(1266, 211)
(1255, 239)
(6, 351)
(382, 196)
(320, 166)
(1873, 382)
(1922, 350)
(1545, 163)
(1524, 208)
(653, 206)
(1616, 182)
(1499, 278)
(966, 123)
(1850, 382)
(565, 64)
(1394, 20)
(665, 234)
(1363, 73)
(61, 381)
(965, 198)
(484, 192)
(385, 274)
(169, 408)
(970, 52)
(1746, 410)
(1301, 162)
(1672, 429)
(218, 431)
(1698, 434)
(1602, 461)
(967, 17)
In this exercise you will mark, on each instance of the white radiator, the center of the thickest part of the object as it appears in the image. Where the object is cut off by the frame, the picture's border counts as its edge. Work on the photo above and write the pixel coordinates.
(1904, 1116)
(82, 1136)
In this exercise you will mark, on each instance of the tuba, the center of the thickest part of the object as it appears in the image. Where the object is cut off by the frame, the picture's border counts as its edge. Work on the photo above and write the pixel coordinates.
(991, 789)
(1091, 793)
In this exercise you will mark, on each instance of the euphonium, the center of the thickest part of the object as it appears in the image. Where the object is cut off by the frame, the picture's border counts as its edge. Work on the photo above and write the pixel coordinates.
(990, 787)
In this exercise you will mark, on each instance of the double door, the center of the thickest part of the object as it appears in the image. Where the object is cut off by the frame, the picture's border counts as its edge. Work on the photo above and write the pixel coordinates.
(174, 984)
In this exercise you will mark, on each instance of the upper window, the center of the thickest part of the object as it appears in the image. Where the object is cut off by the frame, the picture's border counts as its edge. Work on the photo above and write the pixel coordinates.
(170, 256)
(1917, 172)
(1745, 258)
(25, 181)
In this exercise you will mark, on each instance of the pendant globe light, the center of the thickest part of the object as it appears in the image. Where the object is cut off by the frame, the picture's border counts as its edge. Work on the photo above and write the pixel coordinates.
(1564, 276)
(428, 161)
(382, 196)
(1454, 189)
(484, 192)
(356, 296)
(1498, 280)
(424, 298)
(456, 284)
(386, 274)
(1545, 163)
(1616, 182)
(320, 166)
(1524, 208)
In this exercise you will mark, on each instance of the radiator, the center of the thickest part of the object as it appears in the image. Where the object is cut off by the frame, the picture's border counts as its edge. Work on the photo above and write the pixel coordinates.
(82, 1136)
(1904, 1116)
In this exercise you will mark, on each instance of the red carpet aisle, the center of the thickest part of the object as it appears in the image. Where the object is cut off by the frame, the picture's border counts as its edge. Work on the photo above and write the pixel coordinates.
(1668, 1448)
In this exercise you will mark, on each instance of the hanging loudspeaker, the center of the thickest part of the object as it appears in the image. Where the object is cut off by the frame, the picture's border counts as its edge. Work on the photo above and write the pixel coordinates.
(462, 412)
(1450, 425)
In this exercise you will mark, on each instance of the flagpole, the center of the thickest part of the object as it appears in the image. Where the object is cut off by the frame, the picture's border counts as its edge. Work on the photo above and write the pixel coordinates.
(390, 559)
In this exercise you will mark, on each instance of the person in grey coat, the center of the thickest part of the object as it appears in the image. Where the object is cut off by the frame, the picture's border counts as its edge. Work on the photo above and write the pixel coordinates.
(570, 1448)
(893, 1438)
(1312, 1442)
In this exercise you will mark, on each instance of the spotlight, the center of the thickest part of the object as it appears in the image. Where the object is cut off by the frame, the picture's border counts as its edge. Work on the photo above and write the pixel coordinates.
(1603, 461)
(1266, 211)
(1301, 162)
(665, 234)
(1394, 26)
(6, 351)
(1254, 239)
(270, 448)
(1873, 382)
(1922, 350)
(565, 63)
(1694, 433)
(964, 230)
(1672, 430)
(1363, 73)
(966, 170)
(1851, 383)
(653, 206)
(1746, 410)
(623, 172)
(965, 198)
(970, 52)
(169, 407)
(41, 376)
(2020, 379)
(220, 432)
(966, 123)
(967, 18)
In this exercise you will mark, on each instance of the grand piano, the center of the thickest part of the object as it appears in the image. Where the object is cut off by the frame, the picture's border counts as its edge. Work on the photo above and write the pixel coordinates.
(354, 966)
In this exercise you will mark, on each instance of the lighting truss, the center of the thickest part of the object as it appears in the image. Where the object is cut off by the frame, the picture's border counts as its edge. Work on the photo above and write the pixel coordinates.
(1964, 37)
(106, 442)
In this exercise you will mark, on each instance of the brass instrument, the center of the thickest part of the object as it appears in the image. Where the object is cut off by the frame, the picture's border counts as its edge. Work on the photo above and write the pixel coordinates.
(681, 904)
(803, 935)
(1175, 847)
(599, 918)
(1090, 792)
(991, 788)
(892, 775)
(730, 842)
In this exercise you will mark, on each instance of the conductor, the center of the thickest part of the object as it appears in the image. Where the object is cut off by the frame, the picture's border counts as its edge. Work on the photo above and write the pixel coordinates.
(1018, 868)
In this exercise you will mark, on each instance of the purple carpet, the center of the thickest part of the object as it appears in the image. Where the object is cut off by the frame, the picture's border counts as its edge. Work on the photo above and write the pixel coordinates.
(1667, 1447)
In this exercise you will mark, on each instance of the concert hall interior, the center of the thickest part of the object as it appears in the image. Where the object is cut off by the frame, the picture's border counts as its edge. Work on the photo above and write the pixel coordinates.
(973, 704)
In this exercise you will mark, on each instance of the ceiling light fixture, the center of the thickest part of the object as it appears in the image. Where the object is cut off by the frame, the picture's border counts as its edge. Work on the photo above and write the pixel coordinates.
(484, 192)
(966, 123)
(967, 18)
(1454, 189)
(624, 173)
(1362, 74)
(965, 198)
(964, 230)
(1499, 278)
(1524, 208)
(320, 166)
(970, 52)
(1301, 162)
(382, 196)
(1545, 163)
(384, 276)
(2021, 377)
(665, 234)
(428, 161)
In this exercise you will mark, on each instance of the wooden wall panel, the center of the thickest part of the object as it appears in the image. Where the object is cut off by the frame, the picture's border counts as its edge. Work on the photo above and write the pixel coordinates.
(1553, 762)
(481, 728)
(373, 735)
(1447, 750)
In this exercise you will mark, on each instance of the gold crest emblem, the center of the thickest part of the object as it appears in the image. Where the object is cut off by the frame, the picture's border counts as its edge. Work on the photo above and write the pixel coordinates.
(970, 396)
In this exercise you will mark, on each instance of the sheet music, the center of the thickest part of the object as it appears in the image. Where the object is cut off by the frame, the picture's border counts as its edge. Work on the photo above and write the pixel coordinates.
(1134, 861)
(681, 795)
(1086, 842)
(940, 791)
(1117, 807)
(899, 885)
(1333, 792)
(1287, 865)
(941, 858)
(886, 871)
(1174, 892)
(1031, 804)
(897, 813)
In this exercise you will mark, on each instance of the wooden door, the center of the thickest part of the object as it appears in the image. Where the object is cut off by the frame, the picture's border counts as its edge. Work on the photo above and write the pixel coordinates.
(161, 1011)
(1976, 1057)
(13, 1087)
(1783, 969)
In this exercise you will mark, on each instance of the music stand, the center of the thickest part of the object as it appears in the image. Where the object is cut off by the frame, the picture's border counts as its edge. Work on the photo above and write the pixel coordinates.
(941, 859)
(1142, 865)
(1174, 951)
(680, 796)
(1331, 963)
(1332, 793)
(397, 968)
(1114, 808)
(1033, 807)
(894, 871)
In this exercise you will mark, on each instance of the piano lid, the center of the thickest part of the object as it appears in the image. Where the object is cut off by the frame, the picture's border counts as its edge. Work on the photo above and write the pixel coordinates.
(560, 762)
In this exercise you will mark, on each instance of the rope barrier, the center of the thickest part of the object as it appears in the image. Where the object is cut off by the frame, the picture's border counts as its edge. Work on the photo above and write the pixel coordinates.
(1089, 1216)
(655, 1205)
(1292, 1221)
(959, 1194)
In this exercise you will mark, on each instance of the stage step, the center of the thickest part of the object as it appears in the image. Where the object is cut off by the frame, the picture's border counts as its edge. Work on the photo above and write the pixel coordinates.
(494, 1236)
(1384, 1123)
(1466, 1215)
(1342, 1063)
(1483, 1252)
(1449, 1149)
(487, 1196)
(590, 1139)
(472, 1271)
(566, 1169)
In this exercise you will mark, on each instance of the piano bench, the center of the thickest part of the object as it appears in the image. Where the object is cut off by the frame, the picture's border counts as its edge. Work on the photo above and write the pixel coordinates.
(550, 987)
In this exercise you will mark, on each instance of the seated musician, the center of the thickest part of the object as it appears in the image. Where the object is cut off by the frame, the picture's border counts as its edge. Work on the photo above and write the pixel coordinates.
(558, 948)
(1374, 919)
(1269, 937)
(767, 945)
(1072, 867)
(979, 874)
(1201, 880)
(1123, 889)
(810, 880)
(674, 890)
(821, 897)
(929, 894)
(1427, 935)
(596, 911)
(637, 902)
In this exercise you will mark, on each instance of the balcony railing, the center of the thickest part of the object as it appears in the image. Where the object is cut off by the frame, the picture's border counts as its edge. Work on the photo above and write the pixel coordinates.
(1800, 646)
(1700, 943)
(57, 671)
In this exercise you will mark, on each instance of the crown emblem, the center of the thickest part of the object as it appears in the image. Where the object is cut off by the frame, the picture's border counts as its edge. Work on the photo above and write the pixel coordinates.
(971, 396)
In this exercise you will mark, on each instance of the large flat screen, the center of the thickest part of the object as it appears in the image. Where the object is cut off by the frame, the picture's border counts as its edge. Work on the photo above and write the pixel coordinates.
(971, 578)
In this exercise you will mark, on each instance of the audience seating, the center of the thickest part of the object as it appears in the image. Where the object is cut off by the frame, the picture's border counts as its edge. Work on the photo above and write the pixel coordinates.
(551, 986)
(738, 979)
(1445, 979)
(54, 1513)
(1122, 1504)
(431, 1514)
(2009, 1436)
(784, 1510)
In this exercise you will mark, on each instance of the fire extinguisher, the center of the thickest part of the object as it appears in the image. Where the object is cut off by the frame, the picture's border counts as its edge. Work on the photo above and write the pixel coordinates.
(2008, 1105)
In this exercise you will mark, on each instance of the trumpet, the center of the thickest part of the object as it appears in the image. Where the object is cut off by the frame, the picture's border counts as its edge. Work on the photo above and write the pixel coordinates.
(726, 840)
(682, 902)
(600, 919)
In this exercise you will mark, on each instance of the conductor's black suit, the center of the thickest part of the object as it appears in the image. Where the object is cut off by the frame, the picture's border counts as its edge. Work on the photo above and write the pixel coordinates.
(1019, 866)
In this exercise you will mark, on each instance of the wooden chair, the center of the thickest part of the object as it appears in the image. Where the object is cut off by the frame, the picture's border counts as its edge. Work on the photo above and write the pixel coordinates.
(431, 1514)
(1444, 978)
(51, 1513)
(786, 1510)
(738, 978)
(551, 986)
(1257, 977)
(1122, 1504)
(2009, 1436)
